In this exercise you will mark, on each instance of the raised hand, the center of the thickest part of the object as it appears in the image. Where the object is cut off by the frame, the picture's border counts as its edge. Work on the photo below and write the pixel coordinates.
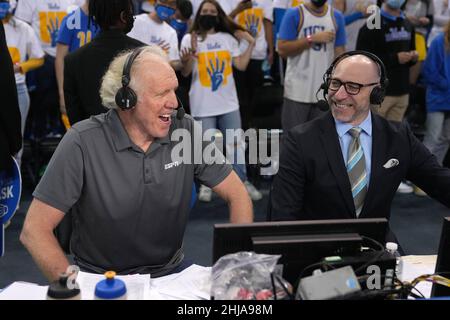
(404, 57)
(244, 35)
(216, 73)
(194, 42)
(164, 45)
(187, 54)
(243, 5)
(53, 29)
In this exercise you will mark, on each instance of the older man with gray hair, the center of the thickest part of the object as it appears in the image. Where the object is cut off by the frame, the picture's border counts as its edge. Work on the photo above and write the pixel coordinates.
(115, 174)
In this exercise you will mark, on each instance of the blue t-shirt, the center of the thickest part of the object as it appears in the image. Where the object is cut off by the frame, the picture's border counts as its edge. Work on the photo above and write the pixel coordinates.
(291, 21)
(74, 31)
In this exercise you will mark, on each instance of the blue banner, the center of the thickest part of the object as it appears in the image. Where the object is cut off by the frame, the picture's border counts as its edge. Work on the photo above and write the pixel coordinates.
(10, 192)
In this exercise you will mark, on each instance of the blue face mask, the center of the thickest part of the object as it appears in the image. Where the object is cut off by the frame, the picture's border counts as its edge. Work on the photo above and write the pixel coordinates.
(4, 9)
(178, 25)
(163, 12)
(395, 4)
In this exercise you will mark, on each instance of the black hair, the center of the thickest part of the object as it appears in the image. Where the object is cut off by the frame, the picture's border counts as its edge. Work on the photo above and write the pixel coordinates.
(185, 8)
(225, 23)
(106, 13)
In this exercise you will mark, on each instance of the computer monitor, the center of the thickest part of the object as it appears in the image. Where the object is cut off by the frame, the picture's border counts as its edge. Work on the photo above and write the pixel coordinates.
(443, 260)
(300, 243)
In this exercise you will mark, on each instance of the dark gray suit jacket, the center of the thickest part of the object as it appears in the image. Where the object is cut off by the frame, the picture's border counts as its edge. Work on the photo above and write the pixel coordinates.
(312, 182)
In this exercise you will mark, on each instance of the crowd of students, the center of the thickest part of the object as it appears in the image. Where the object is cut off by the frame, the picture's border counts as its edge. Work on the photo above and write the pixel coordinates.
(219, 50)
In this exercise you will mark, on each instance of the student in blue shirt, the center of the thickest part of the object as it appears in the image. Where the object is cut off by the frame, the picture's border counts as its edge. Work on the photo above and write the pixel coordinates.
(181, 19)
(436, 74)
(76, 30)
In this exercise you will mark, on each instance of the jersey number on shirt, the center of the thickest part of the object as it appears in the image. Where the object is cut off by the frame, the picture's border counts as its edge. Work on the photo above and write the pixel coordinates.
(214, 68)
(84, 37)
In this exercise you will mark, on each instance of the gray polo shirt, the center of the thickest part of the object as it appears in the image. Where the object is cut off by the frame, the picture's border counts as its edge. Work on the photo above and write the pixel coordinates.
(129, 207)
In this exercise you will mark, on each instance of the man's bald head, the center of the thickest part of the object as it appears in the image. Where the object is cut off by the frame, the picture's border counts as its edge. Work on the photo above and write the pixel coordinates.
(367, 67)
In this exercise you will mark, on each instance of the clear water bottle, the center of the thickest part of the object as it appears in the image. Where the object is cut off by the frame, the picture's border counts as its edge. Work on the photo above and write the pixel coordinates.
(392, 248)
(266, 69)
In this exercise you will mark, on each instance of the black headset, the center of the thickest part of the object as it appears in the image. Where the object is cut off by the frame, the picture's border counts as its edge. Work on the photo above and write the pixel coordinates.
(377, 94)
(126, 98)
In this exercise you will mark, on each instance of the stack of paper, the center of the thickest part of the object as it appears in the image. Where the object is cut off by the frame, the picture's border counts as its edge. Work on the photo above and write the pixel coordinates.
(24, 291)
(193, 283)
(415, 266)
(138, 285)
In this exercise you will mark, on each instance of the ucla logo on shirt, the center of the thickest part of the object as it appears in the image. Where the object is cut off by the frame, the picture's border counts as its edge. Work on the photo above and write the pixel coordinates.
(214, 69)
(312, 30)
(161, 43)
(215, 46)
(156, 40)
(53, 6)
(398, 35)
(251, 20)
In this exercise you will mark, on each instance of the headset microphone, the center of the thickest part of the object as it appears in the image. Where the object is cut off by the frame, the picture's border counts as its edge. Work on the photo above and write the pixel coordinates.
(180, 110)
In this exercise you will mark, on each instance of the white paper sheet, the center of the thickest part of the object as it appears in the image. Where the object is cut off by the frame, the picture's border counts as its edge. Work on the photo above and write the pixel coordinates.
(138, 285)
(192, 283)
(415, 266)
(24, 291)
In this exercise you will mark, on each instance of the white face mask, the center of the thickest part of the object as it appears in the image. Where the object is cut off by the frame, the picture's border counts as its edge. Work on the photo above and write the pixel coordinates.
(395, 4)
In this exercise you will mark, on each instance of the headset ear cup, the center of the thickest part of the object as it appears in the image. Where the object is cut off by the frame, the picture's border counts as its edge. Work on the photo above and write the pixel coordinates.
(132, 96)
(120, 99)
(377, 95)
(126, 98)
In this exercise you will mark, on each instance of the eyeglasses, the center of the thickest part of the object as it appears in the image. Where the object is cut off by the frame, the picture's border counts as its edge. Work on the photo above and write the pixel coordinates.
(351, 88)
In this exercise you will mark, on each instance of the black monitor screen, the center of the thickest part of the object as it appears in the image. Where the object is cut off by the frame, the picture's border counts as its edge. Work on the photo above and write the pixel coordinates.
(300, 243)
(443, 260)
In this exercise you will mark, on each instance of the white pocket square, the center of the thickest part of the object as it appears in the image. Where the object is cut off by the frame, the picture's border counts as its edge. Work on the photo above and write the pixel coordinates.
(391, 163)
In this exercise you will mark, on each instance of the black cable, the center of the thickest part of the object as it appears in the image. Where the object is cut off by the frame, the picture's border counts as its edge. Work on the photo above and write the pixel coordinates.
(374, 241)
(273, 286)
(312, 266)
(376, 258)
(418, 291)
(284, 287)
(365, 294)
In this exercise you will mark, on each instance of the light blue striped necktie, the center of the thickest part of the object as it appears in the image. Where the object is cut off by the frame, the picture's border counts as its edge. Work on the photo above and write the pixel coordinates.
(356, 169)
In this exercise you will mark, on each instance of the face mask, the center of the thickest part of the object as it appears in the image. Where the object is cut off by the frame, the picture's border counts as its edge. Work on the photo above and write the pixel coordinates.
(163, 12)
(178, 26)
(4, 9)
(208, 22)
(395, 4)
(318, 3)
